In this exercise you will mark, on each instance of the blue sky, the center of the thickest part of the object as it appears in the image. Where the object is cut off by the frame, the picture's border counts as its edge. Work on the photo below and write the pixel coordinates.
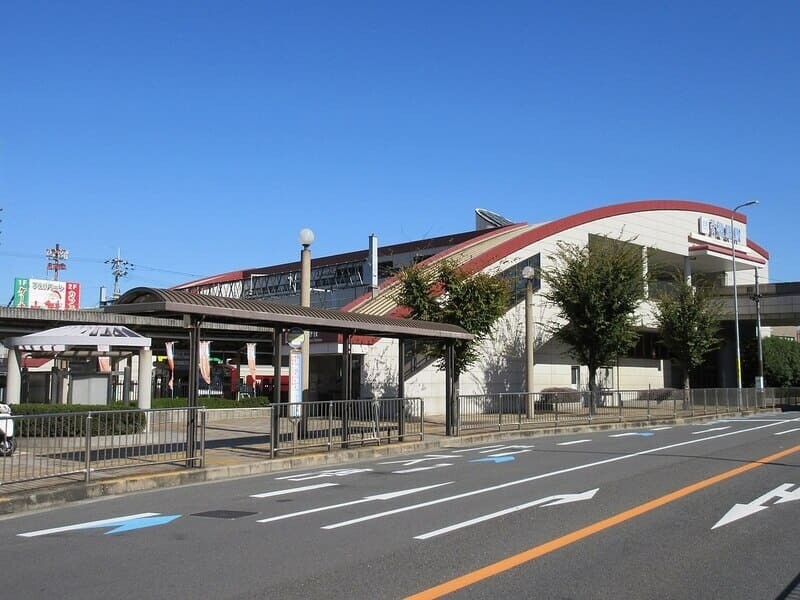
(200, 137)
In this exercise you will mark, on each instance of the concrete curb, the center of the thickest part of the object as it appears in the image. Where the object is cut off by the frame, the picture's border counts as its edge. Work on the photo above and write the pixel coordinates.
(16, 503)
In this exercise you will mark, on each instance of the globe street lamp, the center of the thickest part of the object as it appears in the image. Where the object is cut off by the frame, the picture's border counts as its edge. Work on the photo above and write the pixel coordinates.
(306, 238)
(736, 304)
(529, 274)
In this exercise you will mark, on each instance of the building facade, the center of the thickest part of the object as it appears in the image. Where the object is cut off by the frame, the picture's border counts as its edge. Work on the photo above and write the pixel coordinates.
(692, 239)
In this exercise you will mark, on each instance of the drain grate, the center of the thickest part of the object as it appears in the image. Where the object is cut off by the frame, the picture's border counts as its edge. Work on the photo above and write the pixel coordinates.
(224, 514)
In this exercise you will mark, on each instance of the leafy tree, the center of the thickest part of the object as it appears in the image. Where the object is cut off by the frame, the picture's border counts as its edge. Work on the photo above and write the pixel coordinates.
(596, 289)
(689, 319)
(449, 294)
(781, 361)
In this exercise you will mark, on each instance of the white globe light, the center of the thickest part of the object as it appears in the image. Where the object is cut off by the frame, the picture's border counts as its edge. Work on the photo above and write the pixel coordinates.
(306, 237)
(528, 272)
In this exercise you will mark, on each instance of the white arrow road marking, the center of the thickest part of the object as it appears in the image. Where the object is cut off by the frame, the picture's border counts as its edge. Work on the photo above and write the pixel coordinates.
(429, 468)
(481, 448)
(507, 484)
(616, 435)
(507, 453)
(410, 462)
(549, 501)
(305, 488)
(89, 525)
(788, 431)
(783, 493)
(321, 474)
(503, 448)
(387, 496)
(710, 430)
(659, 428)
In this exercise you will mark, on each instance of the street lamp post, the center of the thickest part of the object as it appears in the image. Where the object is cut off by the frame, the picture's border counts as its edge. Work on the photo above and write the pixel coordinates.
(306, 238)
(529, 274)
(736, 306)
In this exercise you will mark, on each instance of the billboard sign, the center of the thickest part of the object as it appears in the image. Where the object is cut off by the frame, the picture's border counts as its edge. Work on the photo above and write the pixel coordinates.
(42, 293)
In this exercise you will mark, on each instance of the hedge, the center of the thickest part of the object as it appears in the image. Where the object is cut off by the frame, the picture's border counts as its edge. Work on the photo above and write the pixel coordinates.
(63, 421)
(211, 402)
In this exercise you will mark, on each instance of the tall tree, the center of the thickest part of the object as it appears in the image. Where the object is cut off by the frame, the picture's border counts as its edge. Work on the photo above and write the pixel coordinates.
(449, 294)
(689, 319)
(596, 289)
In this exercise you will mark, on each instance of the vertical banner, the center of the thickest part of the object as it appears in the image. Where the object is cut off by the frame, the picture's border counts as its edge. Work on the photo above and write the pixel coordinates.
(72, 301)
(251, 360)
(104, 364)
(171, 362)
(295, 383)
(22, 288)
(204, 361)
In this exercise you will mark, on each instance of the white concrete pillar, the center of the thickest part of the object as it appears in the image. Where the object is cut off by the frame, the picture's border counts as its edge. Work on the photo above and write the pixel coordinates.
(687, 269)
(145, 378)
(14, 377)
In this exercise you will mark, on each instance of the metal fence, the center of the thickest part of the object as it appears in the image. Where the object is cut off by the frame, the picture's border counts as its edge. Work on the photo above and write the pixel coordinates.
(518, 410)
(346, 423)
(83, 443)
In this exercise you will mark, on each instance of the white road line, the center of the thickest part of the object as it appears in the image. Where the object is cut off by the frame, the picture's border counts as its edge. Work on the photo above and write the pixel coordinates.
(508, 484)
(659, 428)
(428, 468)
(481, 448)
(305, 488)
(616, 435)
(788, 431)
(710, 430)
(387, 496)
(507, 453)
(548, 501)
(573, 442)
(89, 525)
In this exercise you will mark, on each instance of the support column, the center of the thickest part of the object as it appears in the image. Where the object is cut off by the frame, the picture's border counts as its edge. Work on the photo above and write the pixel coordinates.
(191, 421)
(401, 387)
(347, 389)
(14, 378)
(145, 378)
(687, 269)
(450, 416)
(275, 431)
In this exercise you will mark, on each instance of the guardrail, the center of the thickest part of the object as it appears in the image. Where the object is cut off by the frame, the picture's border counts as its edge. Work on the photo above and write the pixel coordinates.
(518, 410)
(346, 423)
(84, 443)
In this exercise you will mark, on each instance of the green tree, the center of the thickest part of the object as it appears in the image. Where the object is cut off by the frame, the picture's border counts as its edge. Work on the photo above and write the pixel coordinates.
(449, 294)
(781, 361)
(596, 289)
(689, 319)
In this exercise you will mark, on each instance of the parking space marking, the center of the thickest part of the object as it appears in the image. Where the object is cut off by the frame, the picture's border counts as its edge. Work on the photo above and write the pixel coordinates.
(305, 488)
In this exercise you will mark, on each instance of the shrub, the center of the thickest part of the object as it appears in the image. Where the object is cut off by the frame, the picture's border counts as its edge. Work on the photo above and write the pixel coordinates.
(211, 402)
(69, 420)
(657, 395)
(549, 396)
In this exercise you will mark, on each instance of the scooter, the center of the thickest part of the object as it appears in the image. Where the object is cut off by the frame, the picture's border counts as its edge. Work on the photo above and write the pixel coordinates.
(7, 442)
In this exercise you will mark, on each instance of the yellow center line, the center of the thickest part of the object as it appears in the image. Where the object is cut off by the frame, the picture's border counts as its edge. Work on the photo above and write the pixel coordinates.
(533, 553)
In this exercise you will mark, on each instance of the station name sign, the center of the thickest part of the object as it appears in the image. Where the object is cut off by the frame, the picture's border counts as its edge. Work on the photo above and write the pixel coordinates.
(719, 230)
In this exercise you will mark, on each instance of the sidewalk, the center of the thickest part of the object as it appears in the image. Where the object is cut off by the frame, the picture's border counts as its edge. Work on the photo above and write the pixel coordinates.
(238, 448)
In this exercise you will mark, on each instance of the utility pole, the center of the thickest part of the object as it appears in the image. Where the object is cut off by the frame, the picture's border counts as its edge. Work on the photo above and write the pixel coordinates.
(54, 258)
(756, 297)
(119, 268)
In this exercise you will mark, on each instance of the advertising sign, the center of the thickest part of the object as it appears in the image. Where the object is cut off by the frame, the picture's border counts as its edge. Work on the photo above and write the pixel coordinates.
(295, 383)
(42, 293)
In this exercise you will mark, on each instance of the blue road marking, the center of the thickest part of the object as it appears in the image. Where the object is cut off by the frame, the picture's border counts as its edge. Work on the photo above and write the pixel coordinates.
(141, 523)
(496, 459)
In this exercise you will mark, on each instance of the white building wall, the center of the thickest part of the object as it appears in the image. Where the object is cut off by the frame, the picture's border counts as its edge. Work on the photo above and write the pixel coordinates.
(501, 366)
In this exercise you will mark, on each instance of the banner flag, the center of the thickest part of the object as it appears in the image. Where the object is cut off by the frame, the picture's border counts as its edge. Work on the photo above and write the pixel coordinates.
(104, 364)
(251, 360)
(204, 360)
(171, 362)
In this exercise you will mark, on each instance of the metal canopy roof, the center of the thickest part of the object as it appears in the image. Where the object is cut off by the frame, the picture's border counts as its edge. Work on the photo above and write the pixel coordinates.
(163, 302)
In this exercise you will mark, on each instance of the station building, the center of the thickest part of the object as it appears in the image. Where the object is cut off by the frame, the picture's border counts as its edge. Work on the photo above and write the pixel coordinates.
(692, 239)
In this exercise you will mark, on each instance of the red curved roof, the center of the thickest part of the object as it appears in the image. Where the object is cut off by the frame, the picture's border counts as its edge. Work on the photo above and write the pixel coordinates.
(553, 227)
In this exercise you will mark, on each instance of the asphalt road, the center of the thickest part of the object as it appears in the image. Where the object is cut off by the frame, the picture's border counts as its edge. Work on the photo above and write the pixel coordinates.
(694, 511)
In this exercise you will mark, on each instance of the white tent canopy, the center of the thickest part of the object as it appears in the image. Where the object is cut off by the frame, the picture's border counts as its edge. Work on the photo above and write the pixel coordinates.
(74, 337)
(79, 341)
